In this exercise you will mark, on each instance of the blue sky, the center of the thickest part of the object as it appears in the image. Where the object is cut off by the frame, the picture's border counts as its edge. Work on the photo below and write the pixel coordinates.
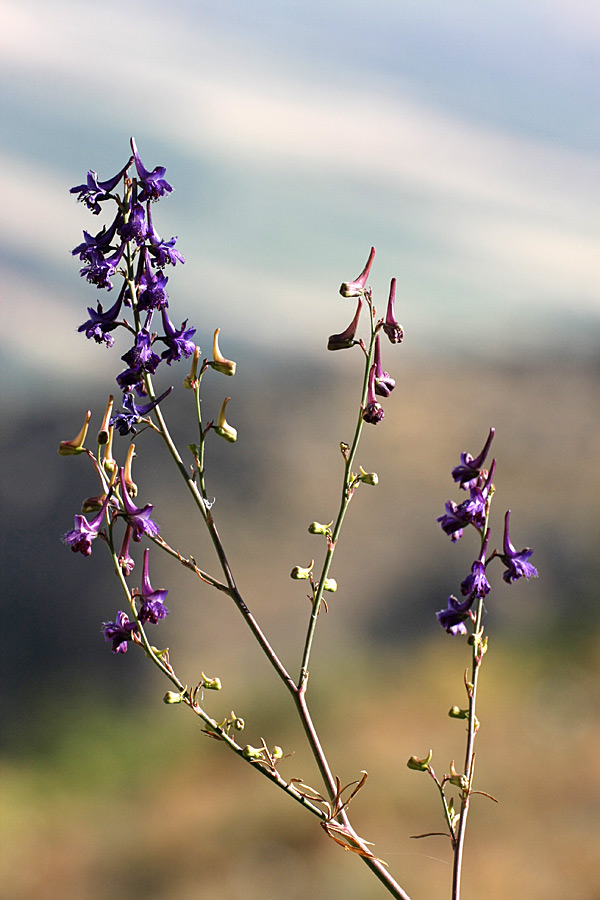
(460, 139)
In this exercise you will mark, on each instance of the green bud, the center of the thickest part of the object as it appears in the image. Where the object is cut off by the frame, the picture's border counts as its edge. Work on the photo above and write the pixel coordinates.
(317, 528)
(252, 752)
(172, 697)
(457, 713)
(277, 753)
(299, 573)
(210, 684)
(239, 724)
(330, 584)
(368, 477)
(420, 765)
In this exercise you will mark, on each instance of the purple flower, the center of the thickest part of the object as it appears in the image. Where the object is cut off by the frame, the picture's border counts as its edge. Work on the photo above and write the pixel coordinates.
(153, 183)
(476, 586)
(95, 247)
(139, 519)
(345, 339)
(467, 473)
(469, 512)
(152, 608)
(390, 326)
(119, 632)
(126, 421)
(99, 269)
(152, 287)
(80, 538)
(384, 383)
(373, 411)
(162, 250)
(454, 520)
(454, 616)
(516, 562)
(100, 324)
(94, 191)
(140, 358)
(136, 228)
(178, 342)
(356, 288)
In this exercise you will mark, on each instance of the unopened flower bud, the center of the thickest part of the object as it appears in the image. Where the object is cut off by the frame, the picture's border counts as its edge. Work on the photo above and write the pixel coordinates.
(420, 765)
(346, 339)
(317, 528)
(219, 363)
(299, 573)
(172, 697)
(277, 753)
(356, 288)
(108, 462)
(455, 712)
(239, 724)
(129, 483)
(223, 428)
(252, 752)
(103, 434)
(210, 684)
(368, 477)
(191, 381)
(330, 584)
(75, 447)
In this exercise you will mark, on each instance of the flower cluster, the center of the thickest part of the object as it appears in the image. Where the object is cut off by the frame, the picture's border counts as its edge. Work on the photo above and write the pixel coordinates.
(131, 248)
(470, 475)
(380, 383)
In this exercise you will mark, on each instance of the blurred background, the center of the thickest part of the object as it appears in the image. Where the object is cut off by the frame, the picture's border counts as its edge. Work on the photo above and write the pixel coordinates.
(462, 142)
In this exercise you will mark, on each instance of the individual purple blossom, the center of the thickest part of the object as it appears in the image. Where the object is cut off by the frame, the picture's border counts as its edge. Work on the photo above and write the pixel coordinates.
(163, 251)
(516, 561)
(152, 287)
(139, 519)
(454, 520)
(390, 326)
(384, 383)
(346, 338)
(136, 227)
(120, 632)
(126, 421)
(152, 608)
(476, 586)
(153, 183)
(179, 341)
(80, 538)
(140, 358)
(468, 471)
(93, 191)
(99, 269)
(469, 512)
(454, 616)
(373, 411)
(94, 247)
(356, 288)
(100, 324)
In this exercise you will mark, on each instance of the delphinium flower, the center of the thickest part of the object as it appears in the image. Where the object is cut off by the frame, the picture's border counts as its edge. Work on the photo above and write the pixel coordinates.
(152, 608)
(139, 519)
(93, 191)
(467, 473)
(516, 561)
(391, 327)
(120, 632)
(384, 383)
(346, 339)
(80, 538)
(100, 323)
(373, 412)
(154, 184)
(179, 341)
(469, 512)
(133, 412)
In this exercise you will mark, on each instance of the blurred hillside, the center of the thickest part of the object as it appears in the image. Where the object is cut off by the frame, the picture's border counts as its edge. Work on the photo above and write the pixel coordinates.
(109, 793)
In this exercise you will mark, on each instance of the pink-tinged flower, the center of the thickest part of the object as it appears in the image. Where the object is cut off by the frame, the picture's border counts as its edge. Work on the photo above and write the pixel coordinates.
(467, 473)
(384, 383)
(516, 561)
(347, 338)
(373, 411)
(152, 608)
(139, 519)
(80, 538)
(119, 632)
(391, 327)
(356, 288)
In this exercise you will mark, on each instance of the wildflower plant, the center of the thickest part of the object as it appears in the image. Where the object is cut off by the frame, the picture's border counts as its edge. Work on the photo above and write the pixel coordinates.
(127, 256)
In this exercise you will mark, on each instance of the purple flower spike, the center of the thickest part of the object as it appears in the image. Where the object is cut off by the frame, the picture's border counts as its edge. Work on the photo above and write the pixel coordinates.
(390, 326)
(467, 473)
(139, 519)
(119, 632)
(516, 561)
(80, 538)
(153, 183)
(152, 608)
(454, 616)
(373, 411)
(346, 339)
(356, 288)
(384, 383)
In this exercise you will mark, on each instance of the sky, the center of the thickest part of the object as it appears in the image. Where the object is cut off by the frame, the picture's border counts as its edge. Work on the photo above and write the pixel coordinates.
(461, 140)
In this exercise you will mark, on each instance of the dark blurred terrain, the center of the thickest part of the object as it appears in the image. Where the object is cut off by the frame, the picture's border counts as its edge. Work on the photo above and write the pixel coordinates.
(107, 792)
